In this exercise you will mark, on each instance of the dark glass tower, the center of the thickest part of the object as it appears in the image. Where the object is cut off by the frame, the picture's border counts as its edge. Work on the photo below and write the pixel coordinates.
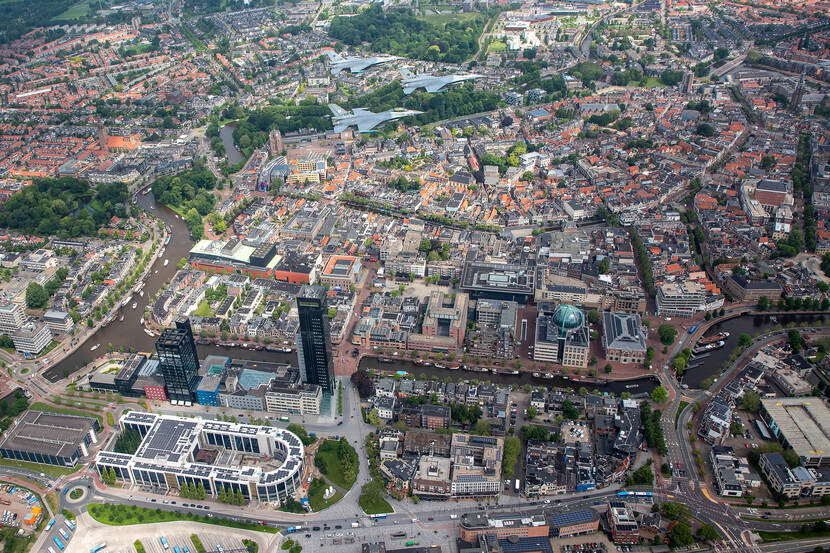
(178, 361)
(313, 340)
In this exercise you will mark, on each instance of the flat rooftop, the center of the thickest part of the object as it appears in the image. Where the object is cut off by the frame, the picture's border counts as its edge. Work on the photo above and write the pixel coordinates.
(48, 433)
(804, 422)
(498, 277)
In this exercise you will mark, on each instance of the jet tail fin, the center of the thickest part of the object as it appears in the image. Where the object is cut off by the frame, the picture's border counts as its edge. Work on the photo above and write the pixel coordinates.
(334, 57)
(337, 110)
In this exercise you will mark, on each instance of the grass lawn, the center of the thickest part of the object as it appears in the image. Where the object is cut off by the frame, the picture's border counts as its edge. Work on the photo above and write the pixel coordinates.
(315, 495)
(204, 309)
(52, 500)
(444, 18)
(497, 46)
(81, 9)
(329, 463)
(680, 408)
(125, 515)
(51, 470)
(769, 537)
(650, 82)
(374, 506)
(40, 406)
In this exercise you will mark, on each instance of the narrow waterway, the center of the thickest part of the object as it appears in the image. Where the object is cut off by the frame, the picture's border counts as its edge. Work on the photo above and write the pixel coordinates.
(232, 152)
(640, 386)
(711, 365)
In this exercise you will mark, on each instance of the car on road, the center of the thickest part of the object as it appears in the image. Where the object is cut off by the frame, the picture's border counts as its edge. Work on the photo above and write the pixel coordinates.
(316, 528)
(337, 527)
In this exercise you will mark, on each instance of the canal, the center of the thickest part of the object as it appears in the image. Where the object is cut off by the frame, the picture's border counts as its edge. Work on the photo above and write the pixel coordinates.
(232, 152)
(701, 368)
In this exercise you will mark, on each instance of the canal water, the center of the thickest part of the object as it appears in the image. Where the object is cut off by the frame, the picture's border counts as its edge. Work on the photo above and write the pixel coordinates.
(717, 360)
(233, 153)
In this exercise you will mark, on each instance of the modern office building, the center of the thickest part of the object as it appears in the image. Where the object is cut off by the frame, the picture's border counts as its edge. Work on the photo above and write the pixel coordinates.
(179, 362)
(12, 318)
(313, 340)
(261, 462)
(624, 527)
(684, 299)
(50, 438)
(561, 336)
(32, 338)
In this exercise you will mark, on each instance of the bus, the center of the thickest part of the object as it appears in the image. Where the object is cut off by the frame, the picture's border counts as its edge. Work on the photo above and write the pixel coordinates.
(411, 543)
(64, 534)
(69, 525)
(58, 542)
(692, 330)
(376, 517)
(176, 549)
(518, 484)
(49, 526)
(285, 419)
(98, 547)
(399, 535)
(164, 543)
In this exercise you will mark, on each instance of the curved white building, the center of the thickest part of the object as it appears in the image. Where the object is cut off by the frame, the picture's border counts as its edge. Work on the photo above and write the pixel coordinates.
(264, 462)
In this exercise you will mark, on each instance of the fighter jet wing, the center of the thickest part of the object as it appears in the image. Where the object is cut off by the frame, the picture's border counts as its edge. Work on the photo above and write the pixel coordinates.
(361, 111)
(409, 89)
(434, 87)
(366, 125)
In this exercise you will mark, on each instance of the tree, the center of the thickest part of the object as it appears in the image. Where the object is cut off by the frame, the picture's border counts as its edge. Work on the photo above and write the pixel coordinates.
(604, 266)
(36, 296)
(608, 368)
(707, 532)
(681, 535)
(481, 428)
(667, 333)
(744, 340)
(531, 412)
(794, 340)
(706, 130)
(751, 402)
(659, 395)
(569, 411)
(643, 476)
(360, 380)
(593, 316)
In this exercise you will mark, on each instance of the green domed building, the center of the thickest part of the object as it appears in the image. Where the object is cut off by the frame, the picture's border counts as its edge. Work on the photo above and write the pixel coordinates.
(561, 335)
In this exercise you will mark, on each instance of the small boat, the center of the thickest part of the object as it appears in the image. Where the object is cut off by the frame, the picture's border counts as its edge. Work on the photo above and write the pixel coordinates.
(286, 350)
(513, 372)
(141, 293)
(166, 262)
(632, 386)
(121, 319)
(385, 360)
(440, 366)
(166, 240)
(141, 321)
(96, 346)
(548, 376)
(149, 332)
(146, 191)
(537, 375)
(454, 367)
(419, 362)
(712, 339)
(135, 304)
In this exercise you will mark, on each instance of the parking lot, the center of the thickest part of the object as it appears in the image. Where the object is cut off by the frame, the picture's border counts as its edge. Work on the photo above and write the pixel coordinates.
(177, 534)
